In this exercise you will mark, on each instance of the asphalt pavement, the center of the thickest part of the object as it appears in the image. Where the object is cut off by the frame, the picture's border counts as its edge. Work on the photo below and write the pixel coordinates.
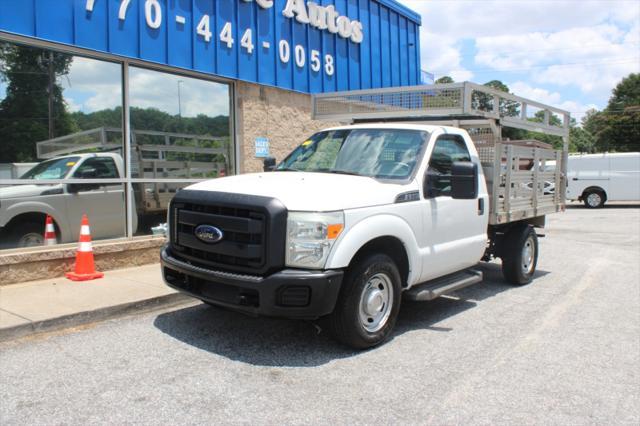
(563, 350)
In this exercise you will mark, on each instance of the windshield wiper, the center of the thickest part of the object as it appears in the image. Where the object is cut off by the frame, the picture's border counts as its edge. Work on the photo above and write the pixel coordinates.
(287, 169)
(338, 172)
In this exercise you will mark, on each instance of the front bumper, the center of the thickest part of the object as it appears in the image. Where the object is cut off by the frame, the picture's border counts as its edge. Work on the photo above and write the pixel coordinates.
(290, 293)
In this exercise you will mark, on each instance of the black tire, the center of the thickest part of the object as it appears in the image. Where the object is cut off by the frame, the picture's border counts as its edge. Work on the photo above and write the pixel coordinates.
(27, 234)
(594, 199)
(369, 278)
(518, 263)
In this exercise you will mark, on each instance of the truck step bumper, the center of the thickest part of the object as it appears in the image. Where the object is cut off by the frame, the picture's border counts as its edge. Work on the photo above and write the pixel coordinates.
(444, 285)
(289, 293)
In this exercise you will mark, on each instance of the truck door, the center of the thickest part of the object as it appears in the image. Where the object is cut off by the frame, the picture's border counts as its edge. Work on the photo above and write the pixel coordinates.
(455, 230)
(103, 203)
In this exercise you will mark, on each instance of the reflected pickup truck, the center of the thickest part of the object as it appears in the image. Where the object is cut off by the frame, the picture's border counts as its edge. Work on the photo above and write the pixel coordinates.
(23, 208)
(354, 219)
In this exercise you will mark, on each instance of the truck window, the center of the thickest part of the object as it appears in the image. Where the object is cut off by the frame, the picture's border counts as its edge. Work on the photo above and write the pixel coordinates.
(447, 150)
(105, 168)
(56, 168)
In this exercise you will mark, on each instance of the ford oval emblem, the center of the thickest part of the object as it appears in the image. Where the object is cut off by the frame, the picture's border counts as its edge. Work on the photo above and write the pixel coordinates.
(208, 234)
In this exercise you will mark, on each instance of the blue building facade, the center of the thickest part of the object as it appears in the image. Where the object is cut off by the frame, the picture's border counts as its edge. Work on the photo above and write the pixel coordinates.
(139, 98)
(309, 47)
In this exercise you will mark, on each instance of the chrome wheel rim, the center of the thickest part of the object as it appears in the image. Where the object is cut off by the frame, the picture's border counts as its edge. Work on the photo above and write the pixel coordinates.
(375, 302)
(528, 255)
(31, 240)
(594, 199)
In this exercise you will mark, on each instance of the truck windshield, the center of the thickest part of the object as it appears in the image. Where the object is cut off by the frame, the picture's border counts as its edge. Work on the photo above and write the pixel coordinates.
(376, 153)
(51, 169)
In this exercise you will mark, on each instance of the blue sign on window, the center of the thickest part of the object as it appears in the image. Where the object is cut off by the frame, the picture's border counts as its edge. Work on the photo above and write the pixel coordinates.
(262, 147)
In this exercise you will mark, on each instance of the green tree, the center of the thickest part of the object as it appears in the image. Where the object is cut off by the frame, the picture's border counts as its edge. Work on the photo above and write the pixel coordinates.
(33, 108)
(617, 127)
(484, 102)
(580, 140)
(626, 94)
(444, 80)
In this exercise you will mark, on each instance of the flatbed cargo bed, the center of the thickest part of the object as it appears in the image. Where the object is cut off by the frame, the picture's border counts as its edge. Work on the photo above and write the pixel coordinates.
(525, 179)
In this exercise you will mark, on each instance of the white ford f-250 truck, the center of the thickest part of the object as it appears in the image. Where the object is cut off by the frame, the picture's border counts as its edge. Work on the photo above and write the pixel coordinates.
(358, 216)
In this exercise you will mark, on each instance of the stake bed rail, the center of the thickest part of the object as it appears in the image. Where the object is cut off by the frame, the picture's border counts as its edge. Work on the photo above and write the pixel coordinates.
(524, 180)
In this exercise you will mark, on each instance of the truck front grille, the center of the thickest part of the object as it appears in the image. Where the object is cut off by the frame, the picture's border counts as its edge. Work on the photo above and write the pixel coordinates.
(253, 231)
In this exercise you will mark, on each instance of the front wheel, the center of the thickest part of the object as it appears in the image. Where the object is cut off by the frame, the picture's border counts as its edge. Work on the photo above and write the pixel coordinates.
(369, 302)
(520, 255)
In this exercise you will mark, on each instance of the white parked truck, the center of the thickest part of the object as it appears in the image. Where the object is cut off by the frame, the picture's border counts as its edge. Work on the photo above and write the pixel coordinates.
(358, 216)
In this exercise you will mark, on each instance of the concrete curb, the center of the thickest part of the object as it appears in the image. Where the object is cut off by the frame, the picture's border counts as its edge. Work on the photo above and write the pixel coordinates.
(97, 315)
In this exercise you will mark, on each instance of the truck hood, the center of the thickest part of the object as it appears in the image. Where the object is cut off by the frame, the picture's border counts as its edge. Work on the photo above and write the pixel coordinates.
(301, 191)
(18, 191)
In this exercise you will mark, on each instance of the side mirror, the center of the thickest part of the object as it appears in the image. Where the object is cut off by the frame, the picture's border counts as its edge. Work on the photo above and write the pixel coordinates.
(269, 164)
(464, 180)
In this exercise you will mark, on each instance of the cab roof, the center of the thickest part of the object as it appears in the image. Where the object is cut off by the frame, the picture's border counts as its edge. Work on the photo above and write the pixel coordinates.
(400, 126)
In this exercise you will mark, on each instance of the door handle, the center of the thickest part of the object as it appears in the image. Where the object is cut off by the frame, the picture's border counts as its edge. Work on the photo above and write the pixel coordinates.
(480, 206)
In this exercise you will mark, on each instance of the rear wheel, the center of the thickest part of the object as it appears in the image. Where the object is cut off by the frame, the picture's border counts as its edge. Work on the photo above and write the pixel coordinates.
(369, 302)
(593, 199)
(520, 255)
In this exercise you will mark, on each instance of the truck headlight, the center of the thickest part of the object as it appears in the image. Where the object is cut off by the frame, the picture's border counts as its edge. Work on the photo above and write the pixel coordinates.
(310, 237)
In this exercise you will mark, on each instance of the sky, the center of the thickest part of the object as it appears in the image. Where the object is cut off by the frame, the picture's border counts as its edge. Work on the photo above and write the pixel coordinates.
(567, 53)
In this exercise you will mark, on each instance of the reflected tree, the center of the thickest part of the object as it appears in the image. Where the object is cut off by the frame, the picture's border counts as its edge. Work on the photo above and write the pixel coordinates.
(33, 108)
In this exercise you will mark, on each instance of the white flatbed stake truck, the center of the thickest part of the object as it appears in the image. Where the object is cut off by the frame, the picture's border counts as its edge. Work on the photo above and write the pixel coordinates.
(359, 216)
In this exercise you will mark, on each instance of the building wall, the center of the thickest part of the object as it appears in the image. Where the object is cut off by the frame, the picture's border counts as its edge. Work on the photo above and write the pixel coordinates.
(282, 116)
(279, 49)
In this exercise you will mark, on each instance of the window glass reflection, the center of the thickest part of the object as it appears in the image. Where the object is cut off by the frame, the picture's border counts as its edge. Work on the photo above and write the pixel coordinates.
(54, 104)
(60, 118)
(152, 200)
(23, 210)
(180, 126)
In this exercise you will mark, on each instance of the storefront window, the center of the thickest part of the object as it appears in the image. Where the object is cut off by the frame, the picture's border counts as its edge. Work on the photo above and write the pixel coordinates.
(54, 104)
(62, 145)
(180, 126)
(60, 119)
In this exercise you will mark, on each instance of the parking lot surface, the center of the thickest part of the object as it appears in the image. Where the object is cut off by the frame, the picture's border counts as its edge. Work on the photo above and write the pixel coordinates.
(562, 350)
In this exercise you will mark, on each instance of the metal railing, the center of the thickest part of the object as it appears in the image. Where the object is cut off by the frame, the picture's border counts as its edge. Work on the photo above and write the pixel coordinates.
(465, 100)
(516, 193)
(110, 139)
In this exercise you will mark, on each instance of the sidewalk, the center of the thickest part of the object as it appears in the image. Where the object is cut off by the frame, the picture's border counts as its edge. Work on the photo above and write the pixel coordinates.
(54, 304)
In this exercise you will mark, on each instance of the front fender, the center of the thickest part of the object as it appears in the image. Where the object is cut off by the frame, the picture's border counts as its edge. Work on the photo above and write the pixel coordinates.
(382, 225)
(23, 207)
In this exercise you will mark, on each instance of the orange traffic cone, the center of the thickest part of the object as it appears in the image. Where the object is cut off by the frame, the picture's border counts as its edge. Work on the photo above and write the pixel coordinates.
(85, 268)
(49, 232)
